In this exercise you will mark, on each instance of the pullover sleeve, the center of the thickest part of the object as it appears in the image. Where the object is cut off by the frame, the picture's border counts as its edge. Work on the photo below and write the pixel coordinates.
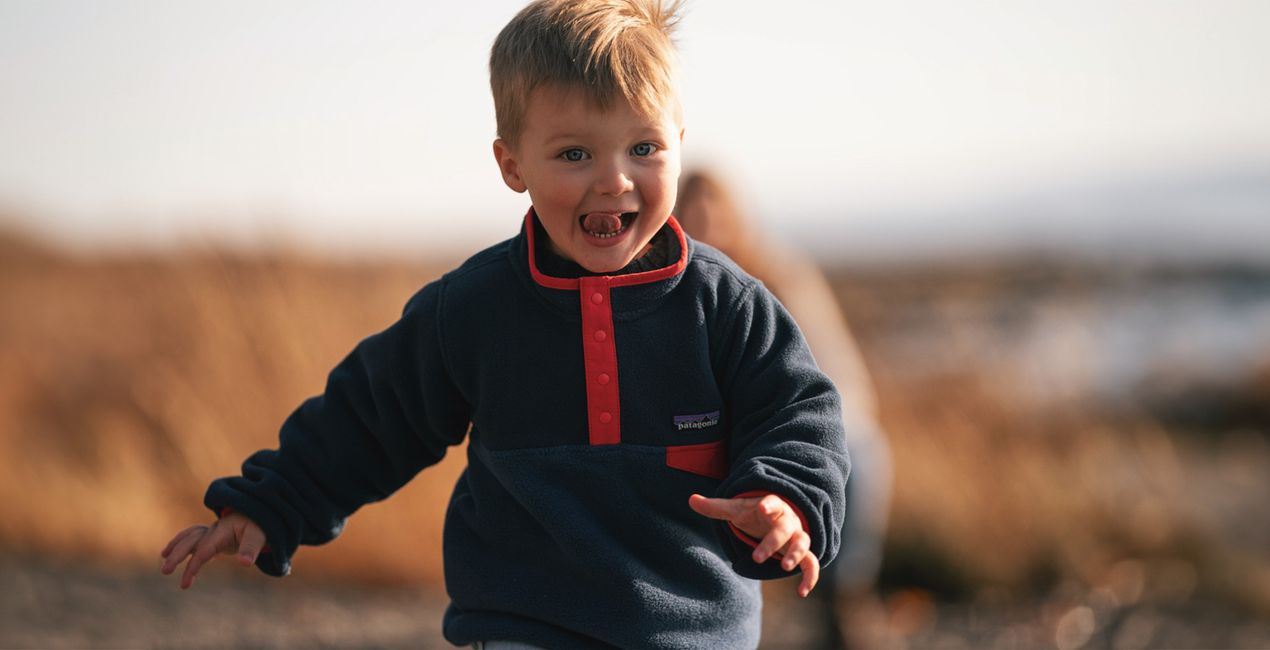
(787, 435)
(389, 410)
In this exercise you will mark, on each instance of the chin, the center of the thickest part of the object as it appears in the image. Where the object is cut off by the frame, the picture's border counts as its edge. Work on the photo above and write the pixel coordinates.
(600, 267)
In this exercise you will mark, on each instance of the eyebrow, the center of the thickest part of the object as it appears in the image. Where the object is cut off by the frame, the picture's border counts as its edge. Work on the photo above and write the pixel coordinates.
(638, 134)
(563, 136)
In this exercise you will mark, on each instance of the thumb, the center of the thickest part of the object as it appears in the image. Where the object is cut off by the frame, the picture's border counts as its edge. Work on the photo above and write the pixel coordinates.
(249, 545)
(725, 509)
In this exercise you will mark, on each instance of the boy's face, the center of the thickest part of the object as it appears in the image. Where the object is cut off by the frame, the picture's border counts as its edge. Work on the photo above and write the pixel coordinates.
(602, 182)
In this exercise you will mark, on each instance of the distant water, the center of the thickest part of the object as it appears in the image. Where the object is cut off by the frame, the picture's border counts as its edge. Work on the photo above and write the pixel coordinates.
(1116, 337)
(1211, 329)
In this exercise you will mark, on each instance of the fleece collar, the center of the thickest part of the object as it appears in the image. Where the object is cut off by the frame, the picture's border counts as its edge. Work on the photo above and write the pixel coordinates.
(628, 279)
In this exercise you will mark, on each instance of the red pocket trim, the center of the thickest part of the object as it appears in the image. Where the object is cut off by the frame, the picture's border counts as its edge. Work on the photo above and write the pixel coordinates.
(706, 459)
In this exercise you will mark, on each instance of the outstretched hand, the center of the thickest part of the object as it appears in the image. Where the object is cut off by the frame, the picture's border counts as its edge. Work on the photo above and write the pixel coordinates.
(772, 521)
(233, 533)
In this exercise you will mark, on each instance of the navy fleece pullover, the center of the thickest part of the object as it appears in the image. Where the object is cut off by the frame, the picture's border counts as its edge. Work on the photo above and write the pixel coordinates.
(597, 405)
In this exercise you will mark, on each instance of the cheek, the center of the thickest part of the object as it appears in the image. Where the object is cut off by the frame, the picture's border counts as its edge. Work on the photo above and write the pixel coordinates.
(667, 185)
(556, 193)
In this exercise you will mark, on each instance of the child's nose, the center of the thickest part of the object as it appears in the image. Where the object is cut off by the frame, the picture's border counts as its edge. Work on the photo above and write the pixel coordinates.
(613, 179)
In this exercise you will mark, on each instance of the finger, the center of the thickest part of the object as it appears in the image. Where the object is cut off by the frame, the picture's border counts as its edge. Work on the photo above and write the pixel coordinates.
(725, 509)
(249, 545)
(765, 516)
(772, 507)
(182, 548)
(177, 538)
(811, 574)
(207, 549)
(777, 537)
(197, 560)
(794, 551)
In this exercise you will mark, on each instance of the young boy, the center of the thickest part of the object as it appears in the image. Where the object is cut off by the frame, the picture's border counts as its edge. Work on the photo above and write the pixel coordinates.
(606, 370)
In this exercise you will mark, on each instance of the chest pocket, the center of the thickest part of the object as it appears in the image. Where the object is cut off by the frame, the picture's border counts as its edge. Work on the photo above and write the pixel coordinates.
(709, 459)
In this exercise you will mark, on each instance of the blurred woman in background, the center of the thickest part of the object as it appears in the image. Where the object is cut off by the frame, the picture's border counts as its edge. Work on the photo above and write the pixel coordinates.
(708, 213)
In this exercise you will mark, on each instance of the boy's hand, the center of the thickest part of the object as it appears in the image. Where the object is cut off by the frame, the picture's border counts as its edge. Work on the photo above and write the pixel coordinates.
(233, 533)
(774, 522)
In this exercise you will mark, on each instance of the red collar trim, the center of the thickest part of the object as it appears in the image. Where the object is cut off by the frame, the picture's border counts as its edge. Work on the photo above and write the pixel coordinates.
(644, 277)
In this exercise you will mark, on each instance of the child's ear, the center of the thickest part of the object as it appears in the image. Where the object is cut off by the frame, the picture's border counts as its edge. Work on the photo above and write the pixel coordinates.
(508, 166)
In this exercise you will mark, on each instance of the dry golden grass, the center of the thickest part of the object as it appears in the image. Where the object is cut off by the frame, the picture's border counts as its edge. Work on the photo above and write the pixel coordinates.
(128, 383)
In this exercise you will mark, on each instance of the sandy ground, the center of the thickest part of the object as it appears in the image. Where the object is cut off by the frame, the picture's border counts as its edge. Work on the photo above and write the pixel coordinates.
(59, 606)
(45, 605)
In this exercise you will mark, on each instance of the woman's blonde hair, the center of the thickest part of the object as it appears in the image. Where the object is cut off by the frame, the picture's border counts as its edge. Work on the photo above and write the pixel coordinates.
(708, 211)
(609, 49)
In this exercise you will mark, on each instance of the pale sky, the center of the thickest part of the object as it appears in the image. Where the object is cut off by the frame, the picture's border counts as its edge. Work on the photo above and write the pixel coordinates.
(347, 126)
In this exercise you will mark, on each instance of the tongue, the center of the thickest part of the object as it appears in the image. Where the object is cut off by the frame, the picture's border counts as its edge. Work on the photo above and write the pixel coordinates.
(602, 223)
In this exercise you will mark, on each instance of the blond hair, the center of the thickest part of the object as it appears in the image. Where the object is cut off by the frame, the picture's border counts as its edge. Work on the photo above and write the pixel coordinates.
(609, 49)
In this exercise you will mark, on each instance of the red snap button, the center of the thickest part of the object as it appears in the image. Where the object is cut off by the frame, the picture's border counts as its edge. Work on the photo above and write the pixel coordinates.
(603, 379)
(600, 335)
(597, 298)
(606, 417)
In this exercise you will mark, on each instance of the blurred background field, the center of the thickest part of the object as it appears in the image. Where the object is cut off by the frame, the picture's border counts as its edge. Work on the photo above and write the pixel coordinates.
(1081, 451)
(1047, 223)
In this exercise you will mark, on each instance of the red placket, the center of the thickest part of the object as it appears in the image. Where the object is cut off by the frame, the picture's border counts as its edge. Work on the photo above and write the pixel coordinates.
(599, 349)
(600, 356)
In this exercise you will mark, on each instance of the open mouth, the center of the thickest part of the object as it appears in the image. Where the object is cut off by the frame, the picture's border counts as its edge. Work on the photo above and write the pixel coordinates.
(606, 225)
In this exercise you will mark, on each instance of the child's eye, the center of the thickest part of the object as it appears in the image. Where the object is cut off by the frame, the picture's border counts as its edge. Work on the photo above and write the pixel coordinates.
(574, 155)
(644, 149)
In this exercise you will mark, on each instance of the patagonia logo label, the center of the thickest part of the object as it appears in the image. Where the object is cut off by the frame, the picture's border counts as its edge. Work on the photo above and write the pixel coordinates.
(686, 422)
